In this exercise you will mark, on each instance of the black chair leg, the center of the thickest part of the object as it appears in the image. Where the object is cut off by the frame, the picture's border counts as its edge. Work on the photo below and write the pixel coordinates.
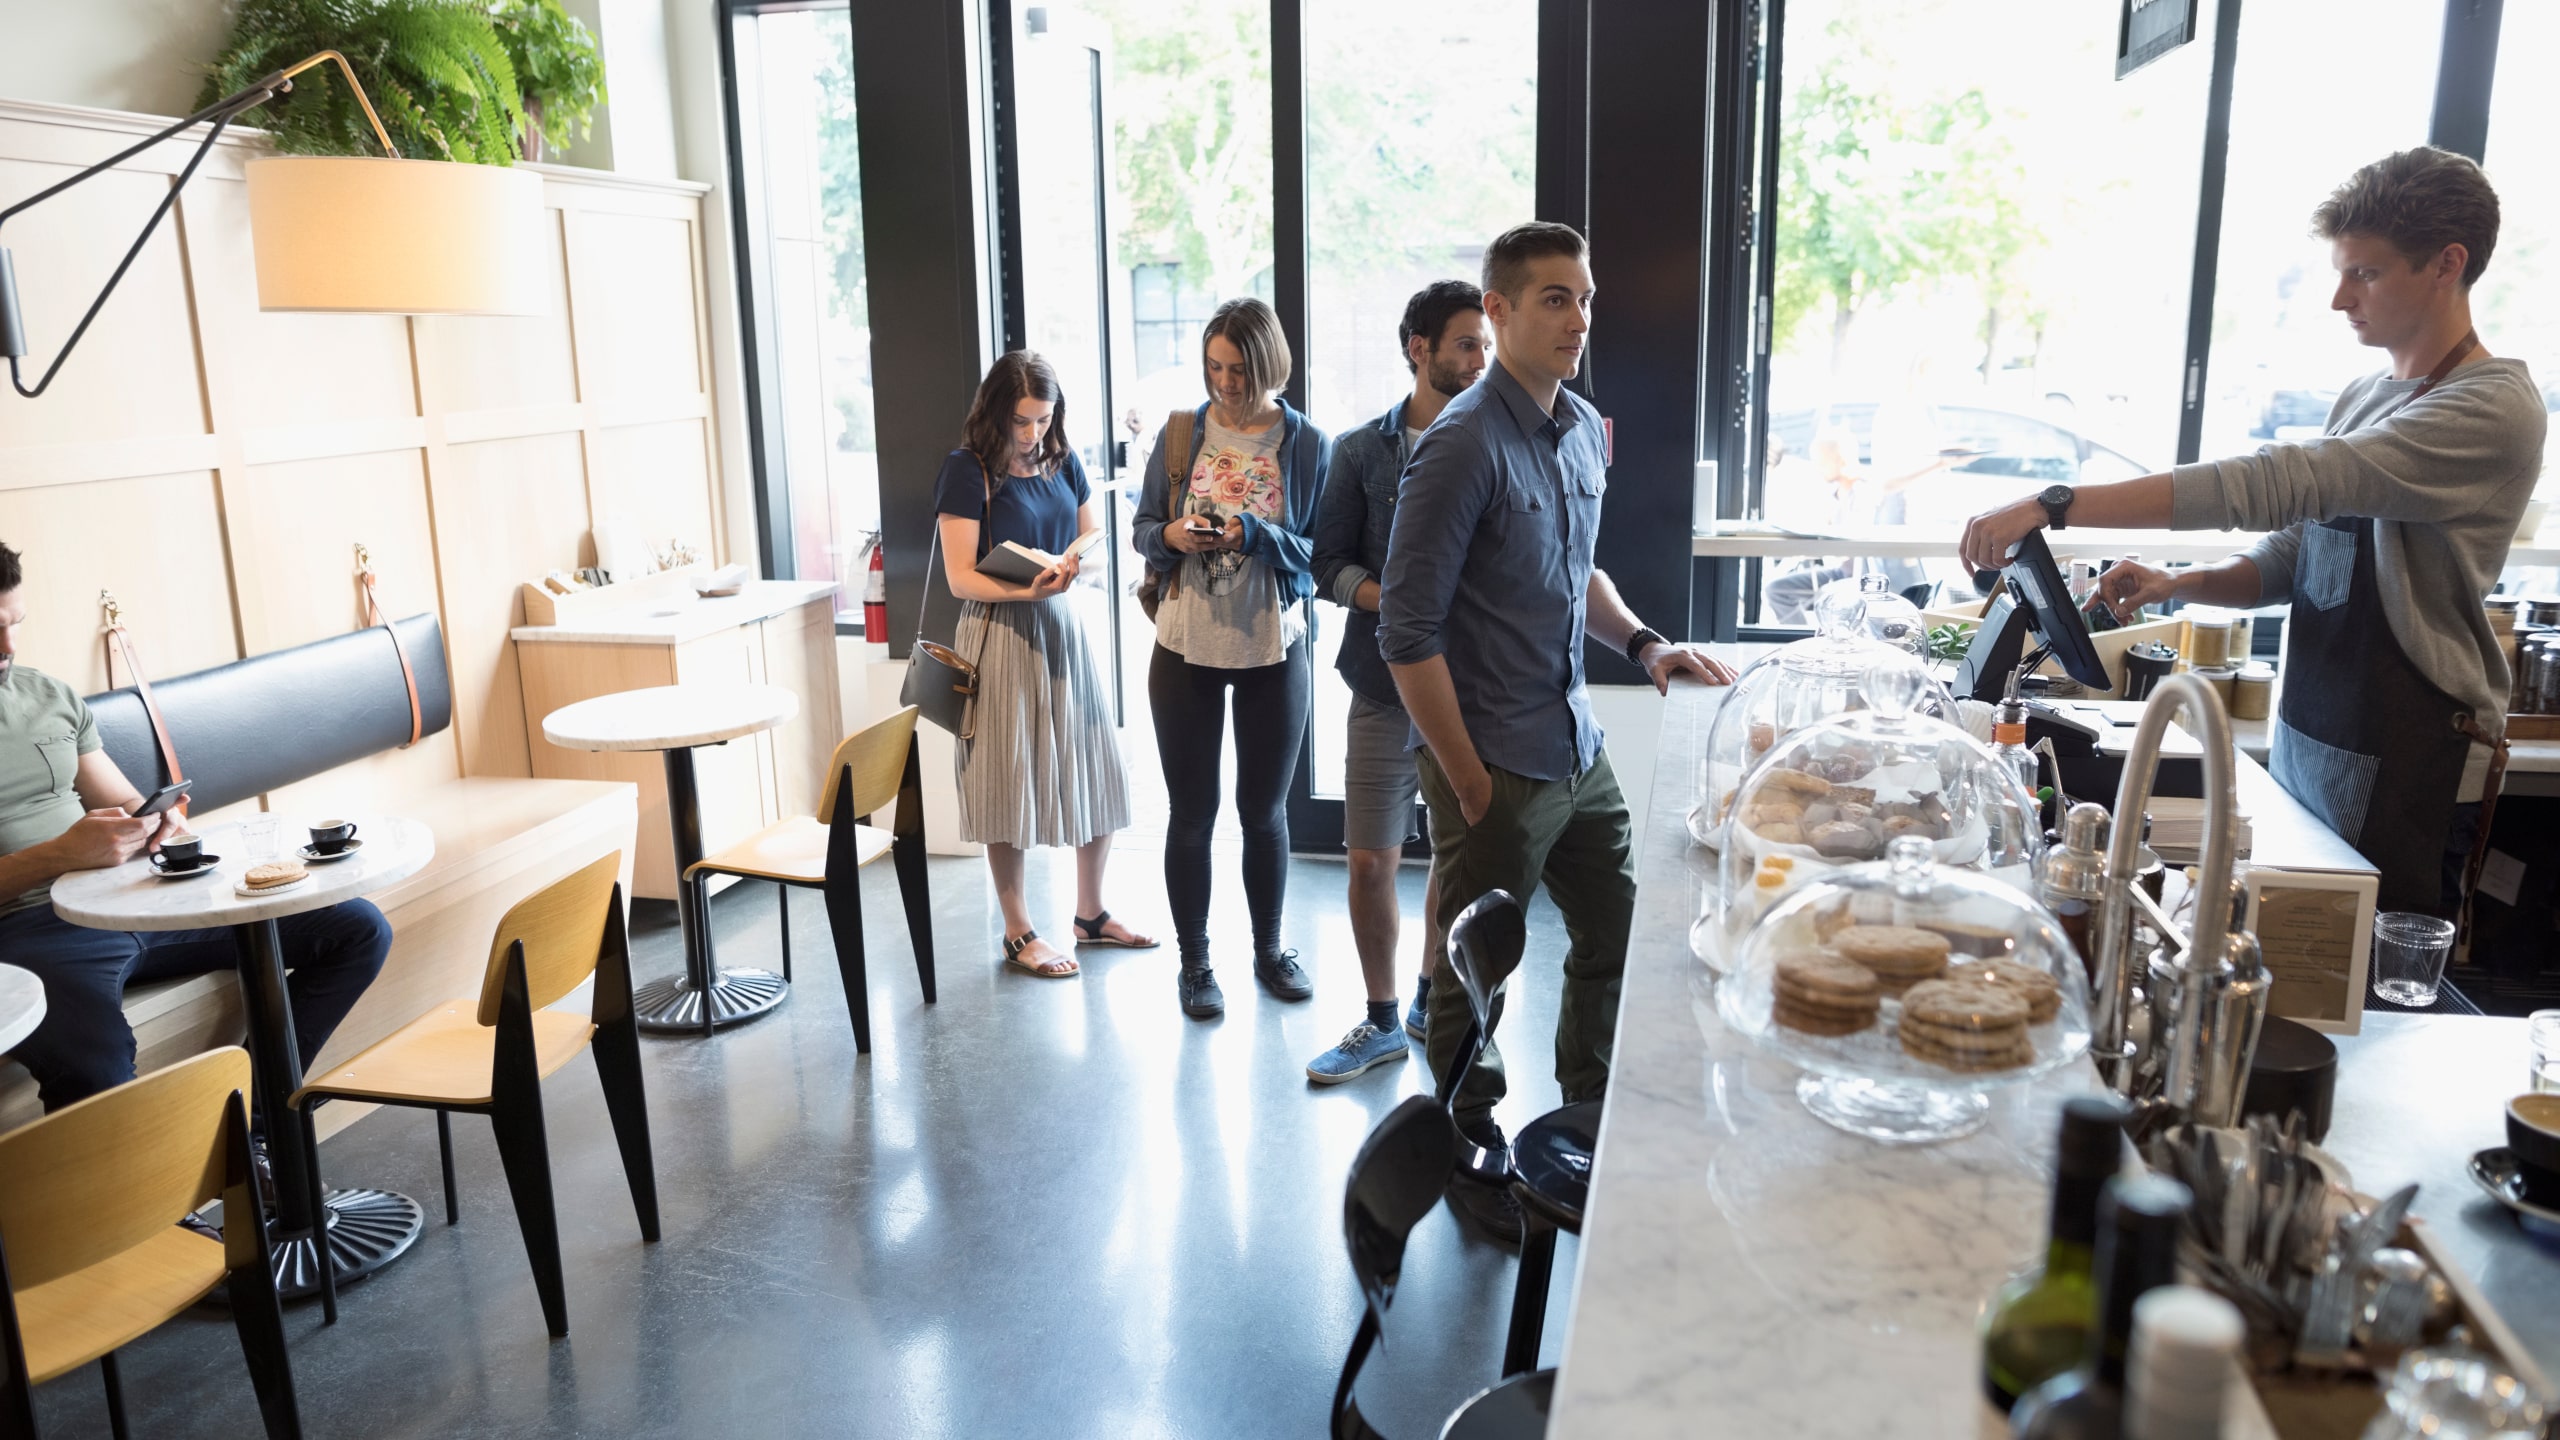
(1529, 1297)
(617, 1052)
(782, 897)
(844, 921)
(259, 1319)
(444, 1148)
(527, 1157)
(115, 1397)
(908, 856)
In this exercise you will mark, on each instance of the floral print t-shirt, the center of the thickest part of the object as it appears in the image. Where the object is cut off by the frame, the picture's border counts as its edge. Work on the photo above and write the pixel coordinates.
(1227, 612)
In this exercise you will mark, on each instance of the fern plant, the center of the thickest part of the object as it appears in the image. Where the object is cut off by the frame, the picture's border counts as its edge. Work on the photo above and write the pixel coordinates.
(434, 69)
(558, 71)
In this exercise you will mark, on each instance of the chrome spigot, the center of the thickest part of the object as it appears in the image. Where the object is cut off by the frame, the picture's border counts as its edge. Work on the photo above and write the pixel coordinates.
(2186, 698)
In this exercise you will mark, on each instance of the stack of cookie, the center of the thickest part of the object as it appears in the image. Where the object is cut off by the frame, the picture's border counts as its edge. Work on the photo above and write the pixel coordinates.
(1966, 1025)
(1823, 994)
(1900, 955)
(273, 876)
(2040, 990)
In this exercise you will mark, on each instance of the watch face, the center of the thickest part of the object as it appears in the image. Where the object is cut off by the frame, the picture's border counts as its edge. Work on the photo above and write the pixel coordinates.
(2056, 495)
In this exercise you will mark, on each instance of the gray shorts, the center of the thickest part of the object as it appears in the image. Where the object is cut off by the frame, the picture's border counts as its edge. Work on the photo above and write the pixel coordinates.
(1378, 777)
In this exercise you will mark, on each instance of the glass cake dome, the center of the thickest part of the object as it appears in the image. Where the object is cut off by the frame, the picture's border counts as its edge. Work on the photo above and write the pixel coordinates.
(1838, 792)
(1905, 988)
(1798, 685)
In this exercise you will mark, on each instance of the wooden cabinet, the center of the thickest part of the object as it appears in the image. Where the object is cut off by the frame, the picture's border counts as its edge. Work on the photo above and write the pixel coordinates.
(773, 633)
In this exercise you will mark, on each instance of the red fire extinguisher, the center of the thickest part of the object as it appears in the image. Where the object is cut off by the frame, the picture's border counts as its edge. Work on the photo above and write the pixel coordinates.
(875, 596)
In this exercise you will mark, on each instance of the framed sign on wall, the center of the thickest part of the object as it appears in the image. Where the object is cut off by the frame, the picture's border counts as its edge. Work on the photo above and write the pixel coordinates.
(2150, 29)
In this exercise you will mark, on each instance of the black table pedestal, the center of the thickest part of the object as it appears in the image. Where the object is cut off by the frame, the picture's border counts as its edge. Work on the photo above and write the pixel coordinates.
(700, 998)
(367, 1229)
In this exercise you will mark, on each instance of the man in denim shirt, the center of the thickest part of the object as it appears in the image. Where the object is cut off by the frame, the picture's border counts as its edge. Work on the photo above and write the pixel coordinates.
(1446, 344)
(1489, 590)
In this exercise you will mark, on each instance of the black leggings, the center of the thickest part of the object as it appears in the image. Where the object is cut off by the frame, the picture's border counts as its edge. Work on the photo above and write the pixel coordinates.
(1190, 703)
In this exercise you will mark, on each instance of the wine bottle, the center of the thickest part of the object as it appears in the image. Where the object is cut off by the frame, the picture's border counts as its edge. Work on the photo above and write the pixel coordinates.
(2038, 1326)
(2138, 1219)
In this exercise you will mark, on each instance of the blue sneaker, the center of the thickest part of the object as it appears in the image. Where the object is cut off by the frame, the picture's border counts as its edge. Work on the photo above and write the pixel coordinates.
(1364, 1049)
(1417, 1021)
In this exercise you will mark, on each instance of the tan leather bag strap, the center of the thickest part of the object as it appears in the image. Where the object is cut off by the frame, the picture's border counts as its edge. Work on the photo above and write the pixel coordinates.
(373, 616)
(120, 642)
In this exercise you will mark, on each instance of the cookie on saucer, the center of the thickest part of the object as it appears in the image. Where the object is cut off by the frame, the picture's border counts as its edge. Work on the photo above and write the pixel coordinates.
(273, 876)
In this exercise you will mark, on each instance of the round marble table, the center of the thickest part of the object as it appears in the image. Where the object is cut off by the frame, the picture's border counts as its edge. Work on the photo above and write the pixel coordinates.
(672, 719)
(21, 1005)
(367, 1229)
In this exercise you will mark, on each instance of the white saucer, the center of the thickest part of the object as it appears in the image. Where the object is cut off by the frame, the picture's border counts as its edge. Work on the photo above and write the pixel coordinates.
(313, 855)
(244, 892)
(207, 866)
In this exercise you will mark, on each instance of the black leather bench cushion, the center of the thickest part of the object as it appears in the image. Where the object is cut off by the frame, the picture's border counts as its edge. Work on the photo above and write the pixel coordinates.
(251, 726)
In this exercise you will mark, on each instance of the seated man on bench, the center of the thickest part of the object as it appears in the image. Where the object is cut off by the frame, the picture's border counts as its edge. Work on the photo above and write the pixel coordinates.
(64, 806)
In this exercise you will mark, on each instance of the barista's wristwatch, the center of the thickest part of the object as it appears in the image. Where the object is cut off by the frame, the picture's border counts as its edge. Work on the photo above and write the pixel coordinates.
(1643, 637)
(2056, 500)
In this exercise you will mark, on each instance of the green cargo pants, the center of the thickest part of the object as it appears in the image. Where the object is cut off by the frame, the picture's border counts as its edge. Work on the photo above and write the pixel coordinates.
(1574, 835)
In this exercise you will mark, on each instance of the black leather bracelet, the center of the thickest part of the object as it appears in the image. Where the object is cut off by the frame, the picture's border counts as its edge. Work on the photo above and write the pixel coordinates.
(1644, 636)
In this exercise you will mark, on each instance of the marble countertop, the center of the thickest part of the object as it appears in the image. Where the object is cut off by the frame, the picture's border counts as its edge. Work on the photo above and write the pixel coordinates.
(673, 622)
(132, 897)
(669, 717)
(1747, 1270)
(21, 1005)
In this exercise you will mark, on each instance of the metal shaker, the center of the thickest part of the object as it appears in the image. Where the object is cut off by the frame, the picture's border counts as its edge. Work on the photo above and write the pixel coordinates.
(2205, 1074)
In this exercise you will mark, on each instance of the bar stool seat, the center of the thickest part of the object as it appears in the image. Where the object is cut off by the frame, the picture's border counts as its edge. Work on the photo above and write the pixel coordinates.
(1551, 1162)
(1516, 1409)
(446, 1057)
(794, 851)
(116, 1301)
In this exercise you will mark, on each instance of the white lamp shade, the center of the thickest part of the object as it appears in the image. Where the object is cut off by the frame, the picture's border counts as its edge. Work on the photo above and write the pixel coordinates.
(409, 237)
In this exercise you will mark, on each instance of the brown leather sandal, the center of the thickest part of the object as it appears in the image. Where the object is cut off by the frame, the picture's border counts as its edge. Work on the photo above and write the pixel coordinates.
(1016, 947)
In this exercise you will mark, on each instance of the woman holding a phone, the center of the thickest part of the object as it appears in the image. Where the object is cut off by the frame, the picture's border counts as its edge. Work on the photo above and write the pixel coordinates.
(1225, 525)
(1043, 764)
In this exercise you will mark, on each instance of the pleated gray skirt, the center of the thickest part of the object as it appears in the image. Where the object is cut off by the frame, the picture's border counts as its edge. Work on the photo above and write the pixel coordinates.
(1044, 766)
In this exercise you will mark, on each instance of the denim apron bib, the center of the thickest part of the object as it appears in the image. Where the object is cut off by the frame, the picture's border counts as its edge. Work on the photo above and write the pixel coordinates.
(2362, 737)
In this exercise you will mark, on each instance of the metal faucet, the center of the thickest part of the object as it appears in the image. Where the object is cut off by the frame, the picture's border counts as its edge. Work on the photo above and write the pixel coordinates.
(2182, 697)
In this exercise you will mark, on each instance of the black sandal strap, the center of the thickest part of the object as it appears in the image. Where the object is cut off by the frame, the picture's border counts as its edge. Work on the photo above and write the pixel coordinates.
(1092, 929)
(1014, 946)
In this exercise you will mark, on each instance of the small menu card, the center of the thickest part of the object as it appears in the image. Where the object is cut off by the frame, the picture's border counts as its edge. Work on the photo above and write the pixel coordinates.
(2316, 930)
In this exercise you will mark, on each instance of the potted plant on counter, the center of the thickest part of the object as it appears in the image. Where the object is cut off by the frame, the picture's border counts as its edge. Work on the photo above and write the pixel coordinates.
(559, 73)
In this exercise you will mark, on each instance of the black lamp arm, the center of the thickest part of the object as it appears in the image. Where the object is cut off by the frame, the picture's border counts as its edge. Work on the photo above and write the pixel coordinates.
(13, 333)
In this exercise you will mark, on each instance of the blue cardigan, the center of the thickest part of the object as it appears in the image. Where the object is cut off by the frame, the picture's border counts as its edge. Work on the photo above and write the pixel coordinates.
(1288, 548)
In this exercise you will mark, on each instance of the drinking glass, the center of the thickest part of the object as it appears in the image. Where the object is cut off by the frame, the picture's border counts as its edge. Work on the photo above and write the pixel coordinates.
(258, 836)
(2542, 1035)
(2409, 952)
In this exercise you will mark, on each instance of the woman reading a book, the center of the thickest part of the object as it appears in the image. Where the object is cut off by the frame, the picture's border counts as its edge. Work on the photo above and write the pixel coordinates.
(1225, 526)
(1043, 767)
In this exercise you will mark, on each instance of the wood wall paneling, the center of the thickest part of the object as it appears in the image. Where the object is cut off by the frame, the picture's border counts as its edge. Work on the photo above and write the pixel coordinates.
(214, 463)
(79, 539)
(506, 510)
(134, 375)
(659, 478)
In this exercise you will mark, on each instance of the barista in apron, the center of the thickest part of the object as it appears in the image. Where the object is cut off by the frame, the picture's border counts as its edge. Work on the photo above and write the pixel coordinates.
(2382, 535)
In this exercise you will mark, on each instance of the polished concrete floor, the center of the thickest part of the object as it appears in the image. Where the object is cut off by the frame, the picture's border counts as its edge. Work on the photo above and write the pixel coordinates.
(1037, 1208)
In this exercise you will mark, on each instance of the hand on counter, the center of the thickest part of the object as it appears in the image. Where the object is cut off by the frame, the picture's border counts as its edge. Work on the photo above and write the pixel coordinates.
(1661, 662)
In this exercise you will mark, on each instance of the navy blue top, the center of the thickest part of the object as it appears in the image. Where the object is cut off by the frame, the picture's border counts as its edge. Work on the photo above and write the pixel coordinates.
(1489, 564)
(1352, 528)
(1034, 510)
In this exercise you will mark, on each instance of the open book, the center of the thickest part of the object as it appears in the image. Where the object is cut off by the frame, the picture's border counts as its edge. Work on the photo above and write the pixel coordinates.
(1015, 563)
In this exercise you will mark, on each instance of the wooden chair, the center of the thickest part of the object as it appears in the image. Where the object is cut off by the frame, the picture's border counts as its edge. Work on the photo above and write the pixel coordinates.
(491, 1060)
(91, 1253)
(826, 852)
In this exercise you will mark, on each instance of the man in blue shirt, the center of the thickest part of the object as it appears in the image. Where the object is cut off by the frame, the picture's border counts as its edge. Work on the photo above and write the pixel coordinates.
(1489, 591)
(1446, 345)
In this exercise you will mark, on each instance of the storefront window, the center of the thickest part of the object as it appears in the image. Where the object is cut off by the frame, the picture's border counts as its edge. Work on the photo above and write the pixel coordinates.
(1982, 268)
(2517, 303)
(2323, 87)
